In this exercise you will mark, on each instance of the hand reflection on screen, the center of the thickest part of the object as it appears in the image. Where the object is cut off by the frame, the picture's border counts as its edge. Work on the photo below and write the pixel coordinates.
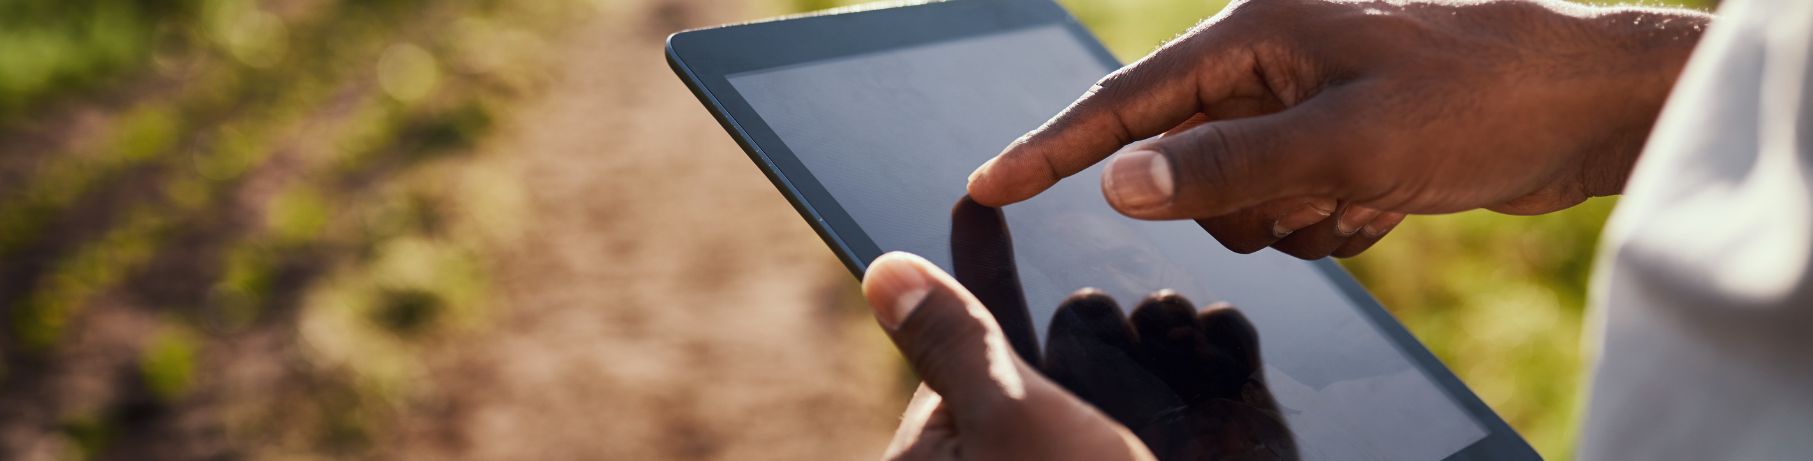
(1188, 382)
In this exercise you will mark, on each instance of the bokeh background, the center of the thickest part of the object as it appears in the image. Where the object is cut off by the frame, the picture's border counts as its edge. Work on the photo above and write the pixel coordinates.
(491, 229)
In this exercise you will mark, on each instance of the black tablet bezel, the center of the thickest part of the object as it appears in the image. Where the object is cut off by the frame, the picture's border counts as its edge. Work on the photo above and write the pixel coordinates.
(704, 59)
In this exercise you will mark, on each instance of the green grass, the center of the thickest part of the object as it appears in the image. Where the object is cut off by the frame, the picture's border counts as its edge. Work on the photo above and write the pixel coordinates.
(274, 169)
(56, 47)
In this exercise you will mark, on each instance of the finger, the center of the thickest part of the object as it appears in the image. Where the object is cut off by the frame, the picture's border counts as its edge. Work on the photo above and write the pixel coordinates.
(1305, 212)
(1171, 338)
(948, 338)
(1369, 234)
(1091, 350)
(982, 257)
(1352, 218)
(1139, 101)
(1090, 318)
(1316, 241)
(1229, 330)
(1252, 229)
(1168, 340)
(1224, 166)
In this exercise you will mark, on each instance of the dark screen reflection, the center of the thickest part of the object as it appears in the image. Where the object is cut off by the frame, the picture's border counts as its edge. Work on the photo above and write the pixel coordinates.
(1189, 383)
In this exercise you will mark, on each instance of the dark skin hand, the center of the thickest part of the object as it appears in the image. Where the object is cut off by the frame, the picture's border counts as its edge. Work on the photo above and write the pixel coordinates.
(1306, 125)
(1188, 383)
(1315, 126)
(979, 400)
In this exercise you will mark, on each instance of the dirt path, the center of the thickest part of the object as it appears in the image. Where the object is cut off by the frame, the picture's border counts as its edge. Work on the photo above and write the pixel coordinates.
(665, 302)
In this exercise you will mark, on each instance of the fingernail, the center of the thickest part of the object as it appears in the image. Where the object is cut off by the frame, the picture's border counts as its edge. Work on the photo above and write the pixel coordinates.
(1353, 218)
(1326, 206)
(1138, 179)
(900, 280)
(1312, 212)
(1379, 226)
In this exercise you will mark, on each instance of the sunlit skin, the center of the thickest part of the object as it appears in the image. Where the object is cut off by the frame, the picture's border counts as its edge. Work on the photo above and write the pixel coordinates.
(979, 401)
(1315, 126)
(1187, 380)
(1310, 126)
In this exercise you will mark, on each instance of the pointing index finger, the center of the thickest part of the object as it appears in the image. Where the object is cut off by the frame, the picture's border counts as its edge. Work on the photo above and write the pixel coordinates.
(1136, 102)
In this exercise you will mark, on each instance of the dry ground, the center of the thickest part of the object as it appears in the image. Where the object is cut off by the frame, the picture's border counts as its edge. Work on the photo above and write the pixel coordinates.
(664, 302)
(661, 301)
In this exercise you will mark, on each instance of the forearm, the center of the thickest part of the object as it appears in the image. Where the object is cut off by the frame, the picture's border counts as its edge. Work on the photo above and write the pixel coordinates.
(1649, 47)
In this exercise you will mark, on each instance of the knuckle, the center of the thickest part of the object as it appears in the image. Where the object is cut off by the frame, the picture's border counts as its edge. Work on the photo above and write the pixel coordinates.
(1121, 82)
(1101, 105)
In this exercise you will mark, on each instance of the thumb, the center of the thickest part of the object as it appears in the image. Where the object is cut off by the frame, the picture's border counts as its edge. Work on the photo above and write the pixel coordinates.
(1144, 99)
(947, 336)
(1226, 166)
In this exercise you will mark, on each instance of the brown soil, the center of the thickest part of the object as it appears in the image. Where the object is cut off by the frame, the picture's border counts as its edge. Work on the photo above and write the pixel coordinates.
(661, 301)
(664, 301)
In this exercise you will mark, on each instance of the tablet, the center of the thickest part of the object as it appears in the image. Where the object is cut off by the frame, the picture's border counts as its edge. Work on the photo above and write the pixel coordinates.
(869, 122)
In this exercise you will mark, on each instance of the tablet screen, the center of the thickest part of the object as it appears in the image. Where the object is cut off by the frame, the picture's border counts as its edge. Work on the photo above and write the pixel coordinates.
(893, 135)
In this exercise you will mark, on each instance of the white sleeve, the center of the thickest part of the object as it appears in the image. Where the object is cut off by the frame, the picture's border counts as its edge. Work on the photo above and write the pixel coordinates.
(1704, 290)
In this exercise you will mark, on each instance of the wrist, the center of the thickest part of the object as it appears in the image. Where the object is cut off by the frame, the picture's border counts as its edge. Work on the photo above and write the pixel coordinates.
(1645, 50)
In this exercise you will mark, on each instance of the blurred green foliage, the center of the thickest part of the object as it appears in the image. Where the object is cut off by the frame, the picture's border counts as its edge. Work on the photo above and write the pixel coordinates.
(89, 434)
(168, 364)
(233, 169)
(56, 46)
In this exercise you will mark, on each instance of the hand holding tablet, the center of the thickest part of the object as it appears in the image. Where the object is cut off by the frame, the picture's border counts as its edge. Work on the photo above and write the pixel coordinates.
(869, 123)
(980, 401)
(1189, 383)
